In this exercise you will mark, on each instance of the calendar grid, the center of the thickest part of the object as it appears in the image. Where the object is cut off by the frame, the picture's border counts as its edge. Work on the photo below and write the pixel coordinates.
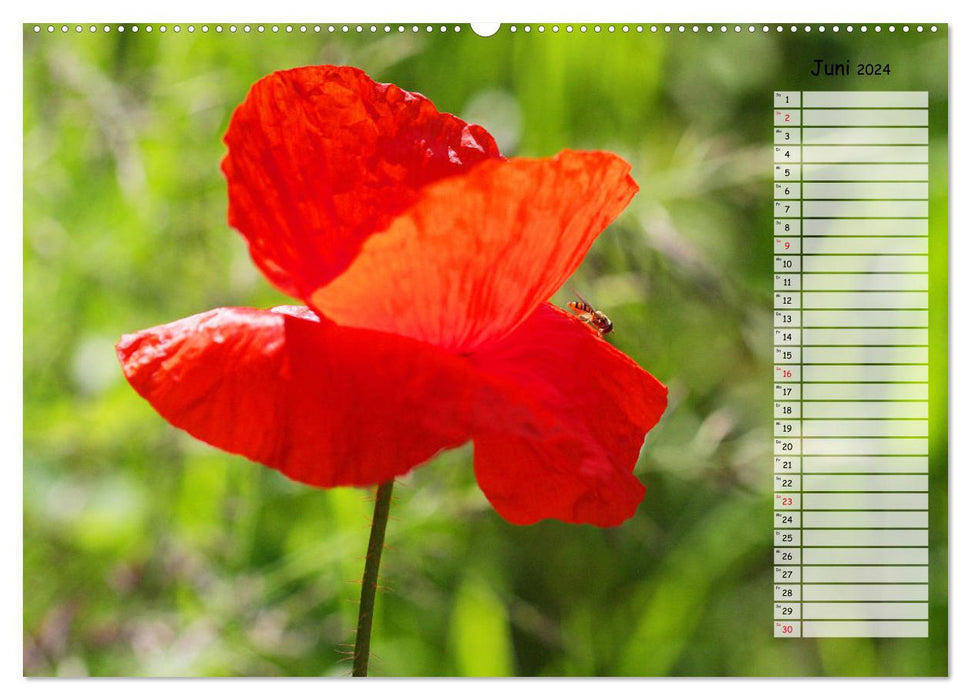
(851, 377)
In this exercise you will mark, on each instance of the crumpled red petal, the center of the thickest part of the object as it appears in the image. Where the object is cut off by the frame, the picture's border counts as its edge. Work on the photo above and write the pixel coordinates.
(579, 469)
(557, 414)
(324, 405)
(322, 157)
(477, 254)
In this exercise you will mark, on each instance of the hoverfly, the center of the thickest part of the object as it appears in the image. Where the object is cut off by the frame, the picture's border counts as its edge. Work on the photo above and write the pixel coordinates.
(589, 315)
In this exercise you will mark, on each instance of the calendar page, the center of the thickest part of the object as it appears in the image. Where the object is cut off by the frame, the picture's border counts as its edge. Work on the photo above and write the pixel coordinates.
(397, 349)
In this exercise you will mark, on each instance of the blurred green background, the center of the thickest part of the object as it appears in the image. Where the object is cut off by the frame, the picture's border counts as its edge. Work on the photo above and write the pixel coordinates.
(149, 553)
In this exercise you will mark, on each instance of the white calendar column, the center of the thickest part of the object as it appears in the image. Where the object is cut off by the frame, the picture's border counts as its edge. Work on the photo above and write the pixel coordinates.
(865, 371)
(850, 364)
(787, 337)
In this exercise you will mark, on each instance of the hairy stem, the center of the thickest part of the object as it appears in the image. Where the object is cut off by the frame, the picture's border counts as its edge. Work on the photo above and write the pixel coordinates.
(369, 585)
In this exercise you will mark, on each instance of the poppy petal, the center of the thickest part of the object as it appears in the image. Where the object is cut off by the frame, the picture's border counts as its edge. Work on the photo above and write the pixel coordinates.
(478, 253)
(579, 469)
(557, 414)
(322, 157)
(324, 405)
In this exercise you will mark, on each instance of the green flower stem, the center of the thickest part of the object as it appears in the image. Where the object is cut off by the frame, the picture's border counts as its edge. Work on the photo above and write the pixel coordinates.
(369, 585)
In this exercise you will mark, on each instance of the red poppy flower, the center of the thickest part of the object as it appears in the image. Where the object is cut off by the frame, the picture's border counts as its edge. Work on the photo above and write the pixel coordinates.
(426, 259)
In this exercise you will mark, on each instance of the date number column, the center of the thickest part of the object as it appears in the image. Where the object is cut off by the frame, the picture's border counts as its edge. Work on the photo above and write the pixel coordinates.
(787, 338)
